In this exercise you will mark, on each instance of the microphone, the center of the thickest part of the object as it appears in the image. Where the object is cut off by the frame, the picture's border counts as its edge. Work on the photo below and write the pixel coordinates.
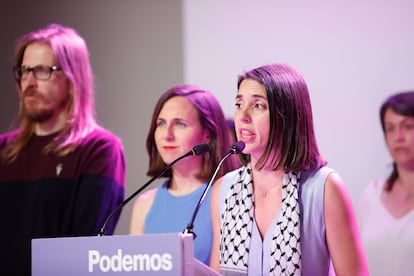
(197, 150)
(236, 148)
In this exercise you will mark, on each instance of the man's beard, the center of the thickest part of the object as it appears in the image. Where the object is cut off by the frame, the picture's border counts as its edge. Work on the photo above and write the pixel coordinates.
(40, 115)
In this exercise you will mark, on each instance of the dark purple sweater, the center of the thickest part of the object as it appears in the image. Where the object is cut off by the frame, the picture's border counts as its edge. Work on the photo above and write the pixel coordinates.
(49, 196)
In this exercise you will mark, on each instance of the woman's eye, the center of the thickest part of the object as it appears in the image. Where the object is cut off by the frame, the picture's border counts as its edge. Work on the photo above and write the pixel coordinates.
(260, 106)
(160, 123)
(389, 129)
(409, 126)
(181, 124)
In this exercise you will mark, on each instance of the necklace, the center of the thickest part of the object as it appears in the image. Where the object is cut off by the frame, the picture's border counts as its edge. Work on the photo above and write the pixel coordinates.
(277, 183)
(407, 191)
(264, 193)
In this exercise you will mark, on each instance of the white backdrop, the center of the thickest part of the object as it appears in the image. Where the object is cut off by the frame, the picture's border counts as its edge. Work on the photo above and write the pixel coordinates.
(353, 54)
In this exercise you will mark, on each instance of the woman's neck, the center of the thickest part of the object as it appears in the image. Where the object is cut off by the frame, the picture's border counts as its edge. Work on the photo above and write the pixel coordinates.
(266, 179)
(184, 182)
(406, 178)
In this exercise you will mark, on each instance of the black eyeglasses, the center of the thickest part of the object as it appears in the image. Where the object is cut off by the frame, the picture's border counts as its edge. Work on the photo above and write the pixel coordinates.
(40, 72)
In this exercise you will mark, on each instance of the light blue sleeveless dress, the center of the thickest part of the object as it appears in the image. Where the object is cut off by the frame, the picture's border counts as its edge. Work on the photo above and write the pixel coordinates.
(171, 214)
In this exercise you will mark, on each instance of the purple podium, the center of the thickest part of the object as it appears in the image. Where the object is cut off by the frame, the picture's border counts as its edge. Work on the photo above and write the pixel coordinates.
(149, 254)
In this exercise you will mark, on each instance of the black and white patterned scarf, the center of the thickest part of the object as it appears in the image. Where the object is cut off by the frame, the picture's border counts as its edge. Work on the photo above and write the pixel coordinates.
(237, 223)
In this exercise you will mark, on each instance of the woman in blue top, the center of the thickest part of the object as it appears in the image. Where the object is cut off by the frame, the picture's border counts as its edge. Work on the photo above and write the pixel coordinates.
(284, 212)
(183, 117)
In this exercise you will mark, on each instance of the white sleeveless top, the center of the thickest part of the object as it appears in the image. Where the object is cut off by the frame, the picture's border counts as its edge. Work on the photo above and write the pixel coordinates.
(315, 255)
(388, 241)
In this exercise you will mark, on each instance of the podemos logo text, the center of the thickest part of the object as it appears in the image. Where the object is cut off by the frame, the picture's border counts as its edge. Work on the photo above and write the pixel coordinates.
(120, 262)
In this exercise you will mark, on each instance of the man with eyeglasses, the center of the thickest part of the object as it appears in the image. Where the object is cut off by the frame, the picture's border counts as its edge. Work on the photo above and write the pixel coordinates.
(61, 174)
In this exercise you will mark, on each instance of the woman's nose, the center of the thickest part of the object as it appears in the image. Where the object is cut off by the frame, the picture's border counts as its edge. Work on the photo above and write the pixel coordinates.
(400, 135)
(169, 133)
(245, 116)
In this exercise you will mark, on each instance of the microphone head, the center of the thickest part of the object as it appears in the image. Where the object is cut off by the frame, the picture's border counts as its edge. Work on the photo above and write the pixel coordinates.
(200, 148)
(238, 147)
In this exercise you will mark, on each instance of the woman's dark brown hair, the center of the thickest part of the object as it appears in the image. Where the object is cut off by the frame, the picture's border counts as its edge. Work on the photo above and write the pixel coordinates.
(291, 122)
(211, 118)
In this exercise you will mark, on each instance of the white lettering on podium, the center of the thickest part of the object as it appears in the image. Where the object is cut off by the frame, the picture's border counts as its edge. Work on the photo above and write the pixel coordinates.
(167, 262)
(120, 262)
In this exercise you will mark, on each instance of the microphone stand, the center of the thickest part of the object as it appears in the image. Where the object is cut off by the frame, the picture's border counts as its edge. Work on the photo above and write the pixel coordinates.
(120, 206)
(190, 226)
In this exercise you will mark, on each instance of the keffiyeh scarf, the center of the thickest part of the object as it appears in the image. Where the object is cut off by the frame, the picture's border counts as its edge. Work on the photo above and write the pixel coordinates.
(237, 223)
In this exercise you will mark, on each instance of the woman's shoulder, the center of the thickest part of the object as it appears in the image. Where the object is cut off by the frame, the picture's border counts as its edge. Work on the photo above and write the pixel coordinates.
(223, 183)
(234, 173)
(372, 190)
(318, 176)
(150, 193)
(147, 195)
(376, 184)
(229, 177)
(144, 201)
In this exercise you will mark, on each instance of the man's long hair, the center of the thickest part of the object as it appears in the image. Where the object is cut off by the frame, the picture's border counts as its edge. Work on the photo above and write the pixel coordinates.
(72, 56)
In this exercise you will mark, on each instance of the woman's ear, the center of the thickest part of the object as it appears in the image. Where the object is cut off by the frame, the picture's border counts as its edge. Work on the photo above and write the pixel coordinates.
(207, 136)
